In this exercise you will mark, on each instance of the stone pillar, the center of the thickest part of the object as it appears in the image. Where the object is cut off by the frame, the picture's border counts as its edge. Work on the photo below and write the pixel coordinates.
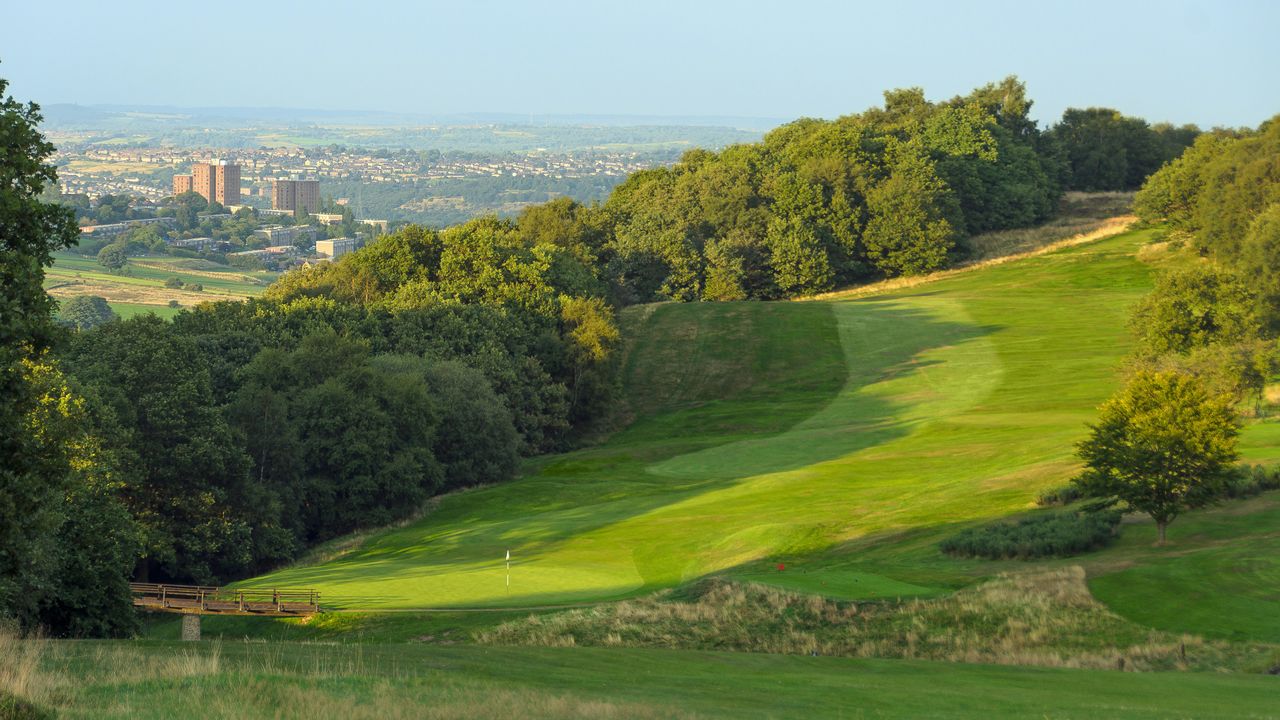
(191, 627)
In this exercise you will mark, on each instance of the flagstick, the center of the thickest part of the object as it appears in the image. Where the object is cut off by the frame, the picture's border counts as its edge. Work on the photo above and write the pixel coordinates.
(508, 572)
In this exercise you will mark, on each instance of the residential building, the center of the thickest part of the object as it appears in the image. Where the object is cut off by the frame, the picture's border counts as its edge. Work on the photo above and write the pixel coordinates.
(295, 195)
(216, 182)
(182, 184)
(328, 218)
(119, 228)
(204, 180)
(337, 247)
(228, 183)
(197, 243)
(283, 235)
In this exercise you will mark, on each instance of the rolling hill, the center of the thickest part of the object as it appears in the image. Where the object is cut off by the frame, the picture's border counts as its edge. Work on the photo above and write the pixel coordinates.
(841, 438)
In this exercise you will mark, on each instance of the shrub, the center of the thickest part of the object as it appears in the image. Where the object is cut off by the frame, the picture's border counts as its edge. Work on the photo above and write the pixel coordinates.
(173, 282)
(1059, 534)
(1253, 480)
(1064, 495)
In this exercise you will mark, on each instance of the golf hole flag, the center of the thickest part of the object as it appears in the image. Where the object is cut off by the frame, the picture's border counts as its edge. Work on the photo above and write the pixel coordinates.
(508, 571)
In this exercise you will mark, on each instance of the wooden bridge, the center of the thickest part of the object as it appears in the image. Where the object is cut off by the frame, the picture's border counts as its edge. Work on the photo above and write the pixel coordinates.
(202, 600)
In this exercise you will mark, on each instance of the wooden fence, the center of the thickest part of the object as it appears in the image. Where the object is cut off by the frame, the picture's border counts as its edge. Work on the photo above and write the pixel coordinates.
(203, 600)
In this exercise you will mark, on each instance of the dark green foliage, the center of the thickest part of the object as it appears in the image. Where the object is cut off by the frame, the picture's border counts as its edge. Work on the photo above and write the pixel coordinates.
(912, 226)
(1217, 191)
(1108, 151)
(1253, 480)
(477, 443)
(31, 480)
(1218, 320)
(112, 257)
(1064, 495)
(819, 204)
(1059, 534)
(84, 312)
(1194, 308)
(339, 440)
(190, 490)
(92, 543)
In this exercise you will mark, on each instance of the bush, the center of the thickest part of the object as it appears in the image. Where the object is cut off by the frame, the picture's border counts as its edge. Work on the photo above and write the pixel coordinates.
(1254, 480)
(1059, 534)
(173, 282)
(1064, 495)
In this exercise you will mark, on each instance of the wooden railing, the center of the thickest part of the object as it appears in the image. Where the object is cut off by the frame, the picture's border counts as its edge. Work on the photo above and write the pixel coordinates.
(204, 600)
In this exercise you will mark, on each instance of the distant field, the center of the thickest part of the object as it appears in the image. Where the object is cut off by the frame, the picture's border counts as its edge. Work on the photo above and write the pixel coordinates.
(142, 282)
(128, 310)
(113, 167)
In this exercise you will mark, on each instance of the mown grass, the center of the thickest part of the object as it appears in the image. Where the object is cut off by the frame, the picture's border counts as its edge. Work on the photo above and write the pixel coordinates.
(128, 310)
(306, 680)
(843, 439)
(776, 431)
(1219, 576)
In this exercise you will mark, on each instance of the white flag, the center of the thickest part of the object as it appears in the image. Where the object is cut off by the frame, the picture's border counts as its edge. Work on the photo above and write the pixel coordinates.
(508, 555)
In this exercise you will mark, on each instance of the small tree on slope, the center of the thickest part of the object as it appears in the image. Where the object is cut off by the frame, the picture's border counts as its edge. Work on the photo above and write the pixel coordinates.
(1162, 445)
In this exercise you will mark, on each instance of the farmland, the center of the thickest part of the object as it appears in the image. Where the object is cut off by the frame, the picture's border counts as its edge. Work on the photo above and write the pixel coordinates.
(140, 286)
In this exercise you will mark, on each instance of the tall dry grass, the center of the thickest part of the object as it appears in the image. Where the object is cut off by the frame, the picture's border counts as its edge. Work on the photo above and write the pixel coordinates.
(72, 679)
(1082, 218)
(1045, 618)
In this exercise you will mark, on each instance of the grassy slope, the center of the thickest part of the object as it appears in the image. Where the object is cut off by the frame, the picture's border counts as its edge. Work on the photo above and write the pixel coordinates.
(155, 680)
(786, 431)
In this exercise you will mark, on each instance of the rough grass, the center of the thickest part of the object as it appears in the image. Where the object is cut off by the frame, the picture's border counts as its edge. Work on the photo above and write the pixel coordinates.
(301, 680)
(1045, 618)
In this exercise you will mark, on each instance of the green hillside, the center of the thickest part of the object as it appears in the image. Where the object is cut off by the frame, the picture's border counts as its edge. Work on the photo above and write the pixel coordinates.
(796, 432)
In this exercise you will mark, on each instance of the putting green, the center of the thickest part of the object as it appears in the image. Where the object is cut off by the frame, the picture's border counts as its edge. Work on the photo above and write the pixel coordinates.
(778, 431)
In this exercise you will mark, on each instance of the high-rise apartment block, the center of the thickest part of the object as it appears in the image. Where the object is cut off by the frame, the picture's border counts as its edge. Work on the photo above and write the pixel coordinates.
(218, 182)
(228, 184)
(295, 195)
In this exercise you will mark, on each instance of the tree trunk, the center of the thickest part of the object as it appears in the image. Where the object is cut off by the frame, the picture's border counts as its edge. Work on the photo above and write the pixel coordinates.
(1161, 527)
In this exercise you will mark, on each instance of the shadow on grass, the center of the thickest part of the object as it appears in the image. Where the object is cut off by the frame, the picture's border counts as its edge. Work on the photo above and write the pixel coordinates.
(770, 425)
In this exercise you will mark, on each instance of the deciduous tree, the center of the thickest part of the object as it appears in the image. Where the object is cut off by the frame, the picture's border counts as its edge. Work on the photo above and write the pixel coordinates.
(1162, 445)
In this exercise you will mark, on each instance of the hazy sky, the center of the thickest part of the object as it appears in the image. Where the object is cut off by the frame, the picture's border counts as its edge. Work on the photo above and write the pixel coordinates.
(1213, 63)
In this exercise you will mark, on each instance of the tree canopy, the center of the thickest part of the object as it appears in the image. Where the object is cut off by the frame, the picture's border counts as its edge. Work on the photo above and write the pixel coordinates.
(1162, 445)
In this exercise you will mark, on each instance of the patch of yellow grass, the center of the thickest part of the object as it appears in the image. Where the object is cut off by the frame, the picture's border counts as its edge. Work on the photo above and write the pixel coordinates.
(1045, 618)
(1104, 229)
(137, 294)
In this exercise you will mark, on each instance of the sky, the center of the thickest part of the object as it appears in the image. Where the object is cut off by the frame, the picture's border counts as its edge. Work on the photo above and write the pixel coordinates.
(1210, 63)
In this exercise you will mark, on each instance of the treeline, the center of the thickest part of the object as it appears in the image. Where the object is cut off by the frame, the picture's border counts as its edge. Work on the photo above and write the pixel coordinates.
(818, 204)
(244, 432)
(892, 191)
(1105, 150)
(1206, 334)
(225, 442)
(1222, 197)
